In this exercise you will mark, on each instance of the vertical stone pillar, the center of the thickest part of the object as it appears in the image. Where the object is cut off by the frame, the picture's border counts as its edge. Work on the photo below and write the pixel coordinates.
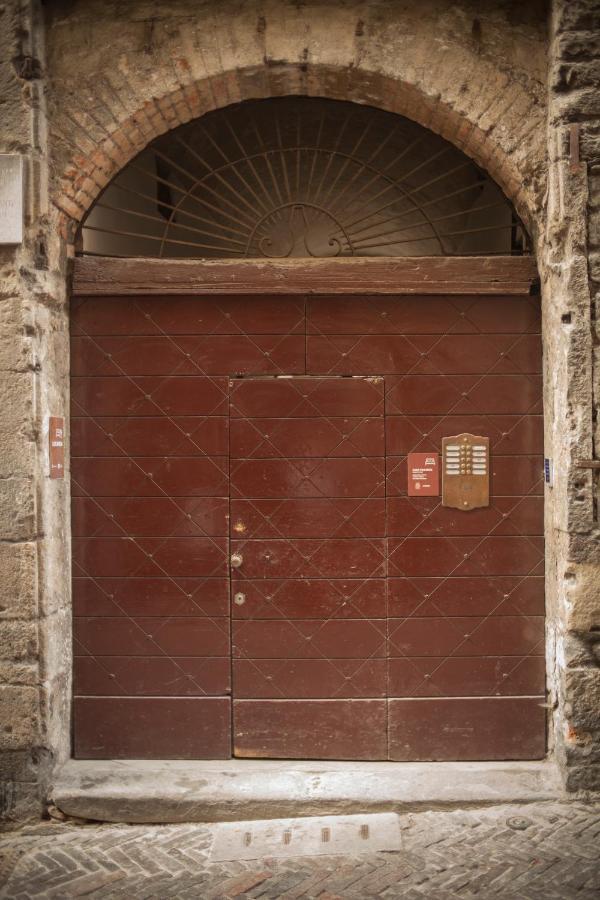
(33, 595)
(569, 258)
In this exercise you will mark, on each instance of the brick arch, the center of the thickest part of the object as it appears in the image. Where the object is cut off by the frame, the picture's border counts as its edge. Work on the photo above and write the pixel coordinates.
(497, 147)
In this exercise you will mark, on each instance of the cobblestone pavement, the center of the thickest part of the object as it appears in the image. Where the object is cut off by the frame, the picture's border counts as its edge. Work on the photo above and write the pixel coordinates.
(549, 850)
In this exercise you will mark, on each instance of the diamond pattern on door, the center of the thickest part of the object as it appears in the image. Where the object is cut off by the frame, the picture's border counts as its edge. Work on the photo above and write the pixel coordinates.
(150, 487)
(366, 624)
(308, 521)
(465, 590)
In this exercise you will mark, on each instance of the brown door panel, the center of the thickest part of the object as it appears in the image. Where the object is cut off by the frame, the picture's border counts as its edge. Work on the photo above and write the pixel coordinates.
(352, 604)
(305, 729)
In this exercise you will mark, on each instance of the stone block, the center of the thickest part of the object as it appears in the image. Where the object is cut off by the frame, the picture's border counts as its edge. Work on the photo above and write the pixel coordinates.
(581, 101)
(16, 128)
(576, 651)
(17, 509)
(17, 453)
(582, 748)
(19, 717)
(589, 148)
(583, 778)
(594, 218)
(584, 548)
(594, 264)
(572, 75)
(17, 672)
(578, 45)
(17, 424)
(20, 803)
(23, 765)
(577, 15)
(15, 348)
(11, 286)
(18, 564)
(583, 596)
(18, 640)
(582, 692)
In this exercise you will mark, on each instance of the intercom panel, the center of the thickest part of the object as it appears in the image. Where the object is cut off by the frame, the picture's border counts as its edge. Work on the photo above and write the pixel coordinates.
(466, 471)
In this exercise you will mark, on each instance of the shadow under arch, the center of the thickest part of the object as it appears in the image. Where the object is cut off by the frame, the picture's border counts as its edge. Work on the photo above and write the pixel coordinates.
(86, 177)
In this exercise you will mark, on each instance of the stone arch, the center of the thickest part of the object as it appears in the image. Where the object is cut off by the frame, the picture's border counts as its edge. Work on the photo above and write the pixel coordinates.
(494, 115)
(88, 175)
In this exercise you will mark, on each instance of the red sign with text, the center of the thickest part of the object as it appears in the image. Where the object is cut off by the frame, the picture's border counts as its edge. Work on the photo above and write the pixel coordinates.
(56, 440)
(423, 475)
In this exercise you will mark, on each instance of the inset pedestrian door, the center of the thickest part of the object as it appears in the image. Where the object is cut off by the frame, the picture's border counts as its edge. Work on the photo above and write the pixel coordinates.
(308, 552)
(252, 576)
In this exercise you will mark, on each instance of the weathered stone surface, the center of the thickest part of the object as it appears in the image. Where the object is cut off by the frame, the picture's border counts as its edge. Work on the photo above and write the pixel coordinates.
(20, 802)
(501, 61)
(537, 851)
(18, 586)
(577, 651)
(16, 672)
(17, 453)
(17, 391)
(578, 45)
(17, 434)
(21, 765)
(177, 791)
(583, 685)
(573, 98)
(19, 640)
(19, 717)
(17, 509)
(15, 343)
(584, 777)
(583, 594)
(578, 15)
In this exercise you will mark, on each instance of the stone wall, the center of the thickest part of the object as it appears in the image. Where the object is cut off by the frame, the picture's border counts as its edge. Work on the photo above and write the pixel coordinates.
(86, 84)
(34, 582)
(478, 79)
(569, 258)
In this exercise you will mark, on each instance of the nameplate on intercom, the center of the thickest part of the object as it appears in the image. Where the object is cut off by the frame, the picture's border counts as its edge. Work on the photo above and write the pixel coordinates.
(465, 471)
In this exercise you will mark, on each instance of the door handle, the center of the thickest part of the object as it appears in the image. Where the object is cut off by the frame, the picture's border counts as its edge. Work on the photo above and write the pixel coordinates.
(236, 560)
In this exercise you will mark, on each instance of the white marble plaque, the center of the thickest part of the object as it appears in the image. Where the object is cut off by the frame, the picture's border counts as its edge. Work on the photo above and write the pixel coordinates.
(11, 198)
(309, 836)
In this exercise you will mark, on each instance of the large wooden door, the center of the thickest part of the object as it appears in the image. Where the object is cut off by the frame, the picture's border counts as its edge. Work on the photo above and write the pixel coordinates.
(273, 431)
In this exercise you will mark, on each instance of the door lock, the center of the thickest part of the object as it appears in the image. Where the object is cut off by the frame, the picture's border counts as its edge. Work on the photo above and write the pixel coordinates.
(236, 560)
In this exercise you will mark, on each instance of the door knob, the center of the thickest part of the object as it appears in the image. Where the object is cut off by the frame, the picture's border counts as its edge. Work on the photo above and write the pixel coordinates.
(236, 560)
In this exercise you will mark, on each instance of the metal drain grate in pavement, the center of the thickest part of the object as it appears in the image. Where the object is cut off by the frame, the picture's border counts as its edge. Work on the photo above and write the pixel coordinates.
(310, 836)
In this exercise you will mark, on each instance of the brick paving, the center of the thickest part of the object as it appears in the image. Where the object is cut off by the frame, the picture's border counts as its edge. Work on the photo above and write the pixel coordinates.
(544, 850)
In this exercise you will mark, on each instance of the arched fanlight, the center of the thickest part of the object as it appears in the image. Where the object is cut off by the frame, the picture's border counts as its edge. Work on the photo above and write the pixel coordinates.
(301, 177)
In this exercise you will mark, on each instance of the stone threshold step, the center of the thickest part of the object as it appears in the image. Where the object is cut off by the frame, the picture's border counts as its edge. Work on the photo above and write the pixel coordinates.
(164, 791)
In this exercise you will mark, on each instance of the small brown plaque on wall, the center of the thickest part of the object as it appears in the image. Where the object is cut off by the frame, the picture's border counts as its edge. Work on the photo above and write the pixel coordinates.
(466, 471)
(56, 446)
(423, 475)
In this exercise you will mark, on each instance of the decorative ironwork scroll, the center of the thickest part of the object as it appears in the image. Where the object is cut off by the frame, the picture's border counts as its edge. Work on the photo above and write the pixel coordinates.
(301, 177)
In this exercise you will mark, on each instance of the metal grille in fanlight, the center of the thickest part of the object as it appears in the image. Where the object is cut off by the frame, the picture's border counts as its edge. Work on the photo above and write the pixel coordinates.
(301, 177)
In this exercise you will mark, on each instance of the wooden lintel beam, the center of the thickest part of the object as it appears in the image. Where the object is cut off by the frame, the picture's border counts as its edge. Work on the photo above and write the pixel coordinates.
(501, 275)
